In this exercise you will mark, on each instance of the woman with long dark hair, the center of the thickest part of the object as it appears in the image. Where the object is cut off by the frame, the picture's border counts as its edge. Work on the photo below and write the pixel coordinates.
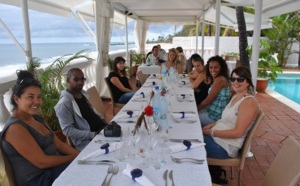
(36, 154)
(211, 108)
(119, 83)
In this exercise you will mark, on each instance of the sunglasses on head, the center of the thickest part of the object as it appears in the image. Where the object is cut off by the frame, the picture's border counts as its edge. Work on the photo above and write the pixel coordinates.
(26, 81)
(239, 79)
(79, 79)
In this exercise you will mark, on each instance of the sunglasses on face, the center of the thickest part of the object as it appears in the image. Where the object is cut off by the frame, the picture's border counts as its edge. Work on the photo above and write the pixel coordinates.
(239, 79)
(79, 79)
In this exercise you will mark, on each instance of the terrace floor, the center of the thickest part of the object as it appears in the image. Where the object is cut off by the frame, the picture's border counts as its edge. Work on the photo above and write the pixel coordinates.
(279, 122)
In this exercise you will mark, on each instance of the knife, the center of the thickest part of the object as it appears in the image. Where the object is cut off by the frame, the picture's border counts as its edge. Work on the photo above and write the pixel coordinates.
(181, 140)
(165, 176)
(171, 177)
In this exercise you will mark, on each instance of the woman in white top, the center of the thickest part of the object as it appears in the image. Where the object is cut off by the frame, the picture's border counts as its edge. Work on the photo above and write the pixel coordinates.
(225, 137)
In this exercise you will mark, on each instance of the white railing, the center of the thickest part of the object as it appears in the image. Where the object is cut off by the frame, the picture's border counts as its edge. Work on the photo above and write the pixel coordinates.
(88, 68)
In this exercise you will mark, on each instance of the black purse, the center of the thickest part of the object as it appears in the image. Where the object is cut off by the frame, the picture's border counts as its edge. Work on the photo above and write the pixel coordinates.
(112, 130)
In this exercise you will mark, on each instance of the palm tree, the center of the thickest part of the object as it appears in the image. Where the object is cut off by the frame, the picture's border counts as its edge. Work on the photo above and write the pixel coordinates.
(243, 43)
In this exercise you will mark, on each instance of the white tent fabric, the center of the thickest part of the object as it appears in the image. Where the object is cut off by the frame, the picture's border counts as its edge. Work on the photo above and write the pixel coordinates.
(140, 34)
(104, 14)
(157, 12)
(228, 18)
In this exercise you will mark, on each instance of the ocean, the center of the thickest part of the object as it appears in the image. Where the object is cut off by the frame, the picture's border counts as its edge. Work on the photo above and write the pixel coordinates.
(11, 57)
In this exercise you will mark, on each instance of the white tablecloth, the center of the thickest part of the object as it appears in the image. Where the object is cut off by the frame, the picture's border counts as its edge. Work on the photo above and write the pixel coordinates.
(153, 69)
(184, 173)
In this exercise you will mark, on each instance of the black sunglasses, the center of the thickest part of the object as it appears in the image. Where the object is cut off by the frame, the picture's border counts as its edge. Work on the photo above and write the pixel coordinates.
(239, 79)
(79, 79)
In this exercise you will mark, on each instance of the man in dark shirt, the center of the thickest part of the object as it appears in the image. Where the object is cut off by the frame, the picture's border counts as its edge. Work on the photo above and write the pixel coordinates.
(78, 119)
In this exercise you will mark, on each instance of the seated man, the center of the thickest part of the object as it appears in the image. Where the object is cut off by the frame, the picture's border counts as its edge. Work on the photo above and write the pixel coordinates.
(78, 119)
(154, 57)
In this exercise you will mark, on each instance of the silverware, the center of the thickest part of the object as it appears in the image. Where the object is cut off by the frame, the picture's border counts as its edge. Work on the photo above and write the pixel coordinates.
(171, 177)
(125, 121)
(95, 162)
(165, 176)
(114, 172)
(109, 170)
(181, 140)
(106, 141)
(193, 160)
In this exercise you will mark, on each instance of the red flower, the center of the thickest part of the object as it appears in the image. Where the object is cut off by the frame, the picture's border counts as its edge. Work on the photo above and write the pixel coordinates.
(148, 110)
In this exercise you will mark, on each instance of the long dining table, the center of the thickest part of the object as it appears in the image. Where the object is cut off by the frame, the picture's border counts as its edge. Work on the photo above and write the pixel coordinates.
(189, 128)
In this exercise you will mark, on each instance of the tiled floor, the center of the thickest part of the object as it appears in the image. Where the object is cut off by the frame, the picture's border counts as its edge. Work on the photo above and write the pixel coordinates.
(279, 122)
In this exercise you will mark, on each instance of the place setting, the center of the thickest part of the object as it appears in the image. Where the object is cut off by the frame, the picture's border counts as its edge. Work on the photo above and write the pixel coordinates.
(127, 116)
(141, 97)
(184, 83)
(184, 116)
(185, 97)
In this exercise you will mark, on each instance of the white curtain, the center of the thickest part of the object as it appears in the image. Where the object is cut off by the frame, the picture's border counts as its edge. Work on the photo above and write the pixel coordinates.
(103, 19)
(140, 34)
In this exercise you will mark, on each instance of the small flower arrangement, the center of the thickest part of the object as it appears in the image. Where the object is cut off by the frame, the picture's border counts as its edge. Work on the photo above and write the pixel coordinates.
(149, 110)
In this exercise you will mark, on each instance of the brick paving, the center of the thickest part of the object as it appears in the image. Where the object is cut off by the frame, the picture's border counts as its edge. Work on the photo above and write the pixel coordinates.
(279, 122)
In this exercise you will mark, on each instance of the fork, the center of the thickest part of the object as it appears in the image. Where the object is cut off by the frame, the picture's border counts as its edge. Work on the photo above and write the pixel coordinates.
(180, 160)
(114, 172)
(95, 162)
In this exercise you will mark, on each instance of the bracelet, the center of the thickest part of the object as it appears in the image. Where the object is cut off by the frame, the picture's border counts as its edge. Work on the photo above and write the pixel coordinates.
(211, 132)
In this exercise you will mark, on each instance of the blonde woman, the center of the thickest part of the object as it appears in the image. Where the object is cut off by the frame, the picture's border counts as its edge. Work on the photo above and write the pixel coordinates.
(172, 59)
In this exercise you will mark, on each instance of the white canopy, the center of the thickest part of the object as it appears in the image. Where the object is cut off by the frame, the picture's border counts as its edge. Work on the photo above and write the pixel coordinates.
(158, 12)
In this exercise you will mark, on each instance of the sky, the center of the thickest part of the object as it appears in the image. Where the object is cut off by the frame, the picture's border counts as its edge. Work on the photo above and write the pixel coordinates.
(50, 28)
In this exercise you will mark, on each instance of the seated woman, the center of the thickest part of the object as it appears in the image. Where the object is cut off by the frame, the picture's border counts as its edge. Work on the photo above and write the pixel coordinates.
(181, 64)
(172, 59)
(36, 154)
(200, 84)
(192, 73)
(119, 82)
(189, 63)
(211, 108)
(225, 137)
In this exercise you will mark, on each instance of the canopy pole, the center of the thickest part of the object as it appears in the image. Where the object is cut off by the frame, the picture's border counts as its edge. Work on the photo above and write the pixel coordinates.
(217, 33)
(256, 37)
(126, 38)
(197, 33)
(28, 50)
(202, 34)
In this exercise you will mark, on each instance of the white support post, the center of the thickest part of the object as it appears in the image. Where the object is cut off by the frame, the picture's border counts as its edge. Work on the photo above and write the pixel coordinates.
(256, 38)
(217, 34)
(197, 31)
(202, 34)
(25, 16)
(126, 39)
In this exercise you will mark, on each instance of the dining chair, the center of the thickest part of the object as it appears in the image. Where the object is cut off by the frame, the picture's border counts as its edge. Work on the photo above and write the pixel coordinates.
(240, 160)
(142, 77)
(285, 168)
(5, 167)
(114, 103)
(97, 103)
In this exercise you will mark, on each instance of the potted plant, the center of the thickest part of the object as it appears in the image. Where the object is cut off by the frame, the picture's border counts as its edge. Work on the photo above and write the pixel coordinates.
(267, 66)
(231, 56)
(53, 82)
(135, 60)
(109, 63)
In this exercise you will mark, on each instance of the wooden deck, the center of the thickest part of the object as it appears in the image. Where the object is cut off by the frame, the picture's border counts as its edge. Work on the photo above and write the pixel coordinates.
(279, 122)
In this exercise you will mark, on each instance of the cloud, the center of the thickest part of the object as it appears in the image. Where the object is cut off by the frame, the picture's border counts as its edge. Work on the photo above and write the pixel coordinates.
(51, 28)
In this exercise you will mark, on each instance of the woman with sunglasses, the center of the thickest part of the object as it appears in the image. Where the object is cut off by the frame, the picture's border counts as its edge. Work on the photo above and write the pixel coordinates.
(36, 154)
(225, 137)
(211, 108)
(119, 83)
